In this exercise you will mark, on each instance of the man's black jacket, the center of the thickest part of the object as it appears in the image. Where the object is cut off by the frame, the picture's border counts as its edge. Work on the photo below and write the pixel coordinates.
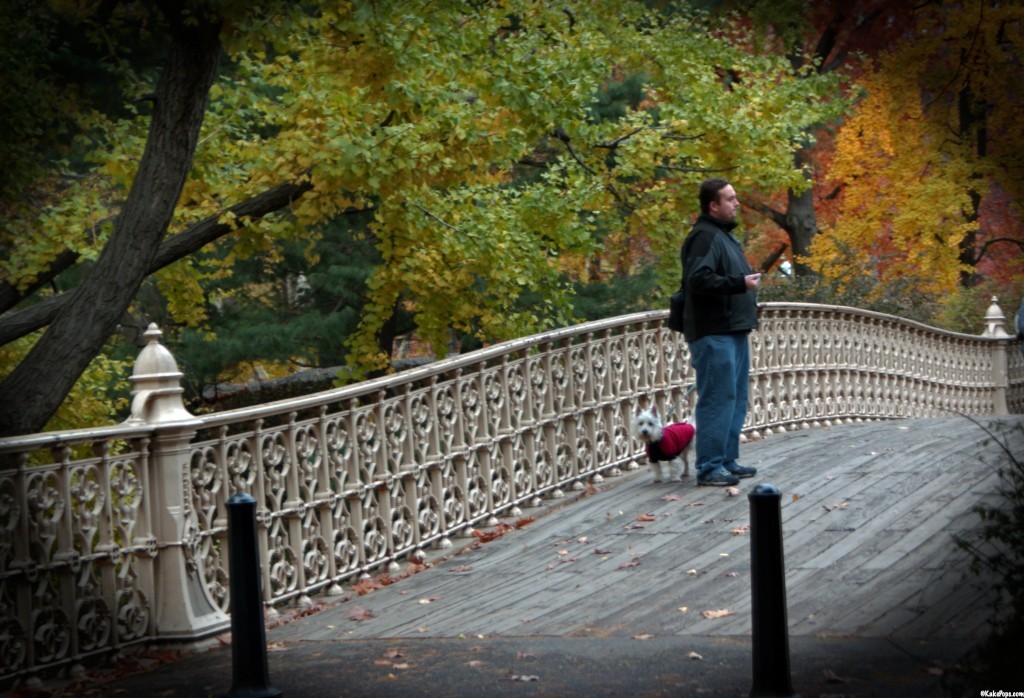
(717, 299)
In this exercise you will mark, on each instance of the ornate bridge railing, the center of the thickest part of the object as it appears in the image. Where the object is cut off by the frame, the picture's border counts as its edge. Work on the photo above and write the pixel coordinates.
(117, 535)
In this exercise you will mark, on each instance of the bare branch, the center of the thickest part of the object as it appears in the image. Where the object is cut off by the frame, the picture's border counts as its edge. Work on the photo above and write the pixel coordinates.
(21, 323)
(703, 170)
(989, 243)
(778, 217)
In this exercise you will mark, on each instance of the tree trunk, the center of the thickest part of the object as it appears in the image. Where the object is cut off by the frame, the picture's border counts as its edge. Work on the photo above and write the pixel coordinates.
(801, 223)
(972, 127)
(799, 220)
(37, 386)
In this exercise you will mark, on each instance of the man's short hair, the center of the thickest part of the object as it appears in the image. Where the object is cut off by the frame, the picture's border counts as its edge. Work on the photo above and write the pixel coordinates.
(709, 190)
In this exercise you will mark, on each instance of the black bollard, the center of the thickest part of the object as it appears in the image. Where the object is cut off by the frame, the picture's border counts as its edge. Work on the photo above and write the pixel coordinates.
(770, 626)
(250, 676)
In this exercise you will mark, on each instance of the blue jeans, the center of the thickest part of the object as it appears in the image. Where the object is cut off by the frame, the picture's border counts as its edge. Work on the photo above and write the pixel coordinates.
(722, 363)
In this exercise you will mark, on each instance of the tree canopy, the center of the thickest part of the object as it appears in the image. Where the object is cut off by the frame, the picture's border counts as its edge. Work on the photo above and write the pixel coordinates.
(302, 183)
(469, 131)
(927, 167)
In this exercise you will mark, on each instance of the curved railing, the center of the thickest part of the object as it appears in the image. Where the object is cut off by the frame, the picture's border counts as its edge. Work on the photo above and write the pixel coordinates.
(117, 535)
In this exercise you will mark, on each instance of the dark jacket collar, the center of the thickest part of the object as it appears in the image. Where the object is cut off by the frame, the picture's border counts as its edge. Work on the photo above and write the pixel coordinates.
(727, 226)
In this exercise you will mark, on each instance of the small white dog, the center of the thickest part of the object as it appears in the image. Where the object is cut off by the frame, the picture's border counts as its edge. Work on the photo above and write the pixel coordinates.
(667, 445)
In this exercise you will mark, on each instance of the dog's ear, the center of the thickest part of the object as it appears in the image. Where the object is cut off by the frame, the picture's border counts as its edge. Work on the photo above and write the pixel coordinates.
(638, 411)
(654, 410)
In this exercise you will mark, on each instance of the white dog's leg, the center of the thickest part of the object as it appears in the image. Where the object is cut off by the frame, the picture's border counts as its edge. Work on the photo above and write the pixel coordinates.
(659, 475)
(675, 468)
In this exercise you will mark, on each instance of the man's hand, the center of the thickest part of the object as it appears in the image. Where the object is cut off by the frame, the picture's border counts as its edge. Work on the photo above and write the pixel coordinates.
(752, 281)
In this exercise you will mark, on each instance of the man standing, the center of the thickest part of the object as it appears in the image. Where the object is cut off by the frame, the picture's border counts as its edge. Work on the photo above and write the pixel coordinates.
(720, 311)
(1020, 324)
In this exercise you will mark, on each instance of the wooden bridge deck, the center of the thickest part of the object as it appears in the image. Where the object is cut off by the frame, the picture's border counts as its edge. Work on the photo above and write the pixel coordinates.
(868, 515)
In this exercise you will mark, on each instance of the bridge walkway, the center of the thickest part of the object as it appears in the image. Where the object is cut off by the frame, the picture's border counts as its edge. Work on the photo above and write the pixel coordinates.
(869, 512)
(611, 584)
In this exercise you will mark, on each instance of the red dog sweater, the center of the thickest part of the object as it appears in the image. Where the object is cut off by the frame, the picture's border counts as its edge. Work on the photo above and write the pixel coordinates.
(674, 439)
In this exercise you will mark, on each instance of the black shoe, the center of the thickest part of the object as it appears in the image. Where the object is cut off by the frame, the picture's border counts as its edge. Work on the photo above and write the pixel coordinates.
(719, 477)
(741, 470)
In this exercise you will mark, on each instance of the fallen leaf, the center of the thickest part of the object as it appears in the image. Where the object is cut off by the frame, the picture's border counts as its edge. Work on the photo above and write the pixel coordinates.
(393, 653)
(525, 655)
(430, 599)
(693, 655)
(831, 677)
(486, 537)
(683, 609)
(723, 554)
(732, 574)
(691, 572)
(740, 530)
(646, 517)
(463, 568)
(365, 586)
(643, 636)
(635, 562)
(732, 491)
(563, 552)
(582, 539)
(601, 551)
(524, 677)
(796, 497)
(474, 663)
(672, 497)
(721, 613)
(360, 613)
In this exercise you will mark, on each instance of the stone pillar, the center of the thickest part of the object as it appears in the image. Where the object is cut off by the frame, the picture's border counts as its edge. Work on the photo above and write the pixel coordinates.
(182, 607)
(995, 327)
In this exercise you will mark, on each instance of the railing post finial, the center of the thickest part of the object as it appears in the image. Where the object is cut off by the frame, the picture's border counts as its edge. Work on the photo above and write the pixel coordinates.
(156, 384)
(995, 320)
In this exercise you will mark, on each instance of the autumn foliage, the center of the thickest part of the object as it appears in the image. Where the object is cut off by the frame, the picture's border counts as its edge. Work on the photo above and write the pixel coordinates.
(464, 168)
